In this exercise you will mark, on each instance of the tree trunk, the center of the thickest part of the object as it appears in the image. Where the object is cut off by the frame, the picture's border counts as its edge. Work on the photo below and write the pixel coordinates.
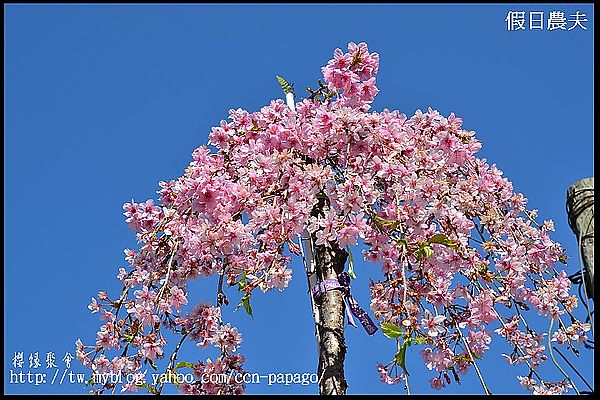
(332, 346)
(329, 262)
(580, 207)
(325, 263)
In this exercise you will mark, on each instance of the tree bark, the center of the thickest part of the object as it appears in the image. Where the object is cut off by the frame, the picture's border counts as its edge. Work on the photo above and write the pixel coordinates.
(332, 346)
(580, 208)
(326, 263)
(329, 323)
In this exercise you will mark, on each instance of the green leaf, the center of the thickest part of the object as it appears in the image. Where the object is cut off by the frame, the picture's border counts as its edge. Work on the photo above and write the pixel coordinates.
(285, 85)
(350, 263)
(400, 358)
(242, 282)
(145, 385)
(402, 242)
(387, 223)
(127, 337)
(391, 330)
(184, 364)
(245, 302)
(563, 259)
(255, 126)
(463, 358)
(424, 251)
(420, 340)
(393, 225)
(440, 238)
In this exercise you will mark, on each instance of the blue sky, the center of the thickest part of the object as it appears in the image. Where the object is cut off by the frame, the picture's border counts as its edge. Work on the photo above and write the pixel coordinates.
(103, 102)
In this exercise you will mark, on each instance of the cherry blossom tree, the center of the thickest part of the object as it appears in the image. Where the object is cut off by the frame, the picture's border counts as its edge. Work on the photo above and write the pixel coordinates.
(460, 252)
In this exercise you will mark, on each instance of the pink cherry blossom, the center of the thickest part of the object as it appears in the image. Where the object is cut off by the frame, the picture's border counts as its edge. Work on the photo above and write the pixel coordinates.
(280, 278)
(385, 377)
(433, 324)
(178, 298)
(151, 350)
(94, 306)
(437, 383)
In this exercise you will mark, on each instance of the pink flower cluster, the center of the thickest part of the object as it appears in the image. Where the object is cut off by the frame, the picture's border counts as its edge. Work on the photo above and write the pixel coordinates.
(142, 216)
(219, 377)
(545, 388)
(459, 250)
(353, 74)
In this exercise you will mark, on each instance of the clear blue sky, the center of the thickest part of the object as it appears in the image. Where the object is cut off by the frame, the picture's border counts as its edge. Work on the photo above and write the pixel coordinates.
(103, 102)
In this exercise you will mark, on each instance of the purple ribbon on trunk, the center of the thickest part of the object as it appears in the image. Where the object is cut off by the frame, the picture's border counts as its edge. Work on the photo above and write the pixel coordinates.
(350, 304)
